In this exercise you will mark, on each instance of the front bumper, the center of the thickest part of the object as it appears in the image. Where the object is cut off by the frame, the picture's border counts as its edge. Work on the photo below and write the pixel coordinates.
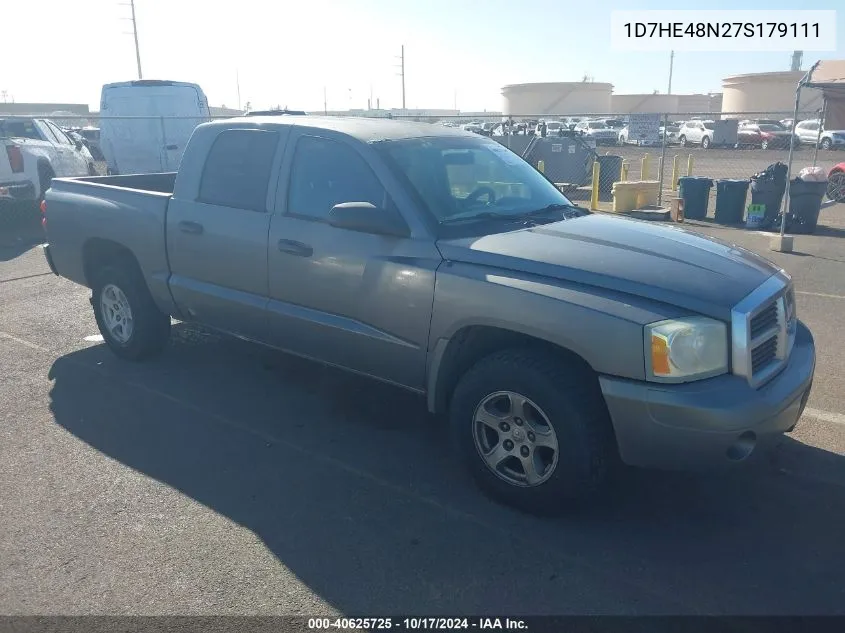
(710, 423)
(17, 190)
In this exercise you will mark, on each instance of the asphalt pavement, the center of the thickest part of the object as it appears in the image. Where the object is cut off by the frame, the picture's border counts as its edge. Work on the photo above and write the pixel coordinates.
(225, 478)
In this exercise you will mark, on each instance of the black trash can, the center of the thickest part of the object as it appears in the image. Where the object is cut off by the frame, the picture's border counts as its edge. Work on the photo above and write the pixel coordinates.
(805, 203)
(769, 193)
(610, 172)
(695, 190)
(730, 201)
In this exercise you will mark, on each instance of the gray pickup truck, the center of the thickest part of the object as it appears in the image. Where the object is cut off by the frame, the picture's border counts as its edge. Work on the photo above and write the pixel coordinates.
(558, 342)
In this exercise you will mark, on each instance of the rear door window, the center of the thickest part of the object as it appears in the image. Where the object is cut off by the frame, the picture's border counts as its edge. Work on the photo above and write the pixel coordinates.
(237, 169)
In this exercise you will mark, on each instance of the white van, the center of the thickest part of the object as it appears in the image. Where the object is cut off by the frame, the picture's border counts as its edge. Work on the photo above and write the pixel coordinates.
(145, 124)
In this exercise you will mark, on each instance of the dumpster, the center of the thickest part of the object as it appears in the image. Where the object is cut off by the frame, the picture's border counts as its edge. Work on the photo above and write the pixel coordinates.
(695, 190)
(611, 172)
(730, 200)
(805, 203)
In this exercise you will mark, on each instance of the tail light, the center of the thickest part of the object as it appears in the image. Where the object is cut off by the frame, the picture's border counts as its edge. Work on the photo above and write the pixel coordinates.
(15, 158)
(44, 213)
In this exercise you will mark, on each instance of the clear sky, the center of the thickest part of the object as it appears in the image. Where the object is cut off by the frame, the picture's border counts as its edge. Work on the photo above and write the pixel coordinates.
(285, 52)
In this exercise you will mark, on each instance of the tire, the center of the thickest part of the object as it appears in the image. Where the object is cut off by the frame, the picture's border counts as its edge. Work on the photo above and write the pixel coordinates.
(764, 145)
(826, 144)
(569, 401)
(149, 328)
(836, 186)
(682, 141)
(92, 170)
(45, 178)
(705, 142)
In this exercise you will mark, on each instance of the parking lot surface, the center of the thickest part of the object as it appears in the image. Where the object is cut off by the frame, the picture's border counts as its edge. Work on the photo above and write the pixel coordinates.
(225, 478)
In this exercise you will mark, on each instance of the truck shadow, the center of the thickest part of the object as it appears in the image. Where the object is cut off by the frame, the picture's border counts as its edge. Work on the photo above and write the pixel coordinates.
(350, 485)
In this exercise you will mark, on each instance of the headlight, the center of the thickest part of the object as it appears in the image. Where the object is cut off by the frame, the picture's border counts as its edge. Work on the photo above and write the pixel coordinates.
(682, 350)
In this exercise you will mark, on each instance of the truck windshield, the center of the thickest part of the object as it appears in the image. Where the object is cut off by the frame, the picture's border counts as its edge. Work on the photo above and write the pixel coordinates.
(465, 179)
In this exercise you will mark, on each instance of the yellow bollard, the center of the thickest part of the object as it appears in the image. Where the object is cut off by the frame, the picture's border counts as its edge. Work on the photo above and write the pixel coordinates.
(541, 166)
(675, 173)
(689, 165)
(644, 168)
(624, 176)
(660, 168)
(594, 200)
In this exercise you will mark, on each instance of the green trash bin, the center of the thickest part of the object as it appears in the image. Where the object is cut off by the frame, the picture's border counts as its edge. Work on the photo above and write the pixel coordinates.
(730, 200)
(695, 191)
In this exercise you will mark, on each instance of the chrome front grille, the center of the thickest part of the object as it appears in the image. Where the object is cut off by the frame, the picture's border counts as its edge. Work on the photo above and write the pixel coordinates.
(763, 330)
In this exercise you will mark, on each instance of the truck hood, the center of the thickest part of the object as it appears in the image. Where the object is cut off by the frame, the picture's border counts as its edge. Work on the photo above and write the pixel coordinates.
(669, 265)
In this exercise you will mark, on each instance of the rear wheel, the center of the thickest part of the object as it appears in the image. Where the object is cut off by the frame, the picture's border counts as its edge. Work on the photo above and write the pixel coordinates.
(533, 430)
(764, 145)
(131, 324)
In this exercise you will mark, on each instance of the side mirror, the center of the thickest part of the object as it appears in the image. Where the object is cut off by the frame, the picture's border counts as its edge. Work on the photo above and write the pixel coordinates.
(78, 144)
(368, 218)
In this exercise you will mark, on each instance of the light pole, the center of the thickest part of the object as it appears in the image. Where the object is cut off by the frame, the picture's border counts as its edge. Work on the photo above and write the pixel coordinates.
(671, 65)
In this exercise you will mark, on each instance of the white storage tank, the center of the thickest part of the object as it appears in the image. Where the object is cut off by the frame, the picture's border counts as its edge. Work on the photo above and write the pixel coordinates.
(767, 92)
(557, 98)
(651, 103)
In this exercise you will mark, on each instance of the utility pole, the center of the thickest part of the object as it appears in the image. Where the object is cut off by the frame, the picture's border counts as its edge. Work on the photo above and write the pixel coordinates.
(402, 73)
(325, 102)
(671, 65)
(135, 33)
(238, 83)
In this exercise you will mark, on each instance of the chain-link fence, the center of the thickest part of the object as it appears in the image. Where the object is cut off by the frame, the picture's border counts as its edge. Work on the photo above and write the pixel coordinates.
(660, 147)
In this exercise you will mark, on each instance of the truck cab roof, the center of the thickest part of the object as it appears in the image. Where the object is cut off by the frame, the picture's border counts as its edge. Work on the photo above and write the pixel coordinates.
(364, 129)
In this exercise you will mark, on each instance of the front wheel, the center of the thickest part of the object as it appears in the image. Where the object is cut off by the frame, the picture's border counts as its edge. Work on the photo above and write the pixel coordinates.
(533, 431)
(826, 144)
(131, 324)
(682, 141)
(705, 142)
(836, 186)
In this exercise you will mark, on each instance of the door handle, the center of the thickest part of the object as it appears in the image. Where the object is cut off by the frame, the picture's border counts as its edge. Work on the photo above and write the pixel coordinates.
(194, 228)
(292, 247)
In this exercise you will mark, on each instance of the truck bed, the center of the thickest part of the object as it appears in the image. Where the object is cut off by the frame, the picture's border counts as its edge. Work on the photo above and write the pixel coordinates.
(159, 183)
(89, 215)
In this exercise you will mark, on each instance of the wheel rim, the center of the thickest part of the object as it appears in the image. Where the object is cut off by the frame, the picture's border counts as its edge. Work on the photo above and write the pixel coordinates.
(836, 187)
(116, 313)
(825, 144)
(514, 438)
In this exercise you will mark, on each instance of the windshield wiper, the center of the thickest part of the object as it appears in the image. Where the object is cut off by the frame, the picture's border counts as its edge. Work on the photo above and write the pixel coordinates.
(525, 217)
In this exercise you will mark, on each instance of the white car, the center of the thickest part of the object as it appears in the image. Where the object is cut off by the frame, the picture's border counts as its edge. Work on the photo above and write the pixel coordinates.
(553, 128)
(34, 152)
(598, 131)
(696, 132)
(808, 132)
